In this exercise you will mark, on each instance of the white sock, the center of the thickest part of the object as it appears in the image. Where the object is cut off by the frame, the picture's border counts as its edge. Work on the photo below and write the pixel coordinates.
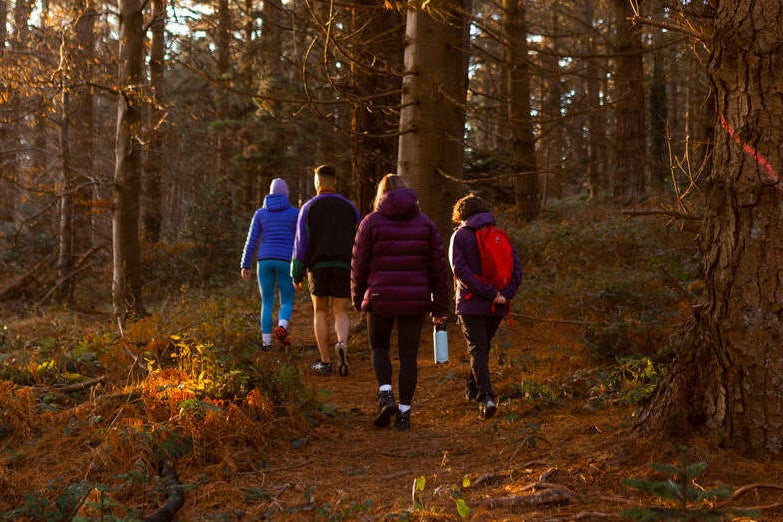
(385, 387)
(283, 323)
(404, 407)
(266, 338)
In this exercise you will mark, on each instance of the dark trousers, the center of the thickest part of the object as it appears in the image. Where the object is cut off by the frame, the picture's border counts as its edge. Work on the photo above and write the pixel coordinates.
(409, 328)
(479, 331)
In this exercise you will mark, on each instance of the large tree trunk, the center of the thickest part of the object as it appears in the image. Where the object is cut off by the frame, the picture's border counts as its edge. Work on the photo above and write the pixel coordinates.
(126, 284)
(630, 145)
(374, 140)
(432, 117)
(728, 376)
(523, 148)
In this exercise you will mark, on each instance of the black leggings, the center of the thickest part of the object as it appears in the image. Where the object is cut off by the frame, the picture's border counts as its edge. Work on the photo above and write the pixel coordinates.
(479, 331)
(409, 328)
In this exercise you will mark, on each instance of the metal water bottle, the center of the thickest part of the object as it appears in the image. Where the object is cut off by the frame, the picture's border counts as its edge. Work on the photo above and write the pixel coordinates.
(440, 343)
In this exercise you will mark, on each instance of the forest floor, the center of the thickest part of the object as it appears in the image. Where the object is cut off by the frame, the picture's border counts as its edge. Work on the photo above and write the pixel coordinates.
(293, 446)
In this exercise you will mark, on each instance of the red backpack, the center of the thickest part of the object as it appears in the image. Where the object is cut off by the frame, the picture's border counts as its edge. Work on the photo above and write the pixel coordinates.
(497, 256)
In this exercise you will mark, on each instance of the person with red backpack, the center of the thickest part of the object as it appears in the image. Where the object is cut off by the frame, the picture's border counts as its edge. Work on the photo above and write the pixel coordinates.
(487, 274)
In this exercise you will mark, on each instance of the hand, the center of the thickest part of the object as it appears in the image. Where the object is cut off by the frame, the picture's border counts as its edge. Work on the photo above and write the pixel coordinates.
(299, 286)
(246, 274)
(500, 299)
(440, 320)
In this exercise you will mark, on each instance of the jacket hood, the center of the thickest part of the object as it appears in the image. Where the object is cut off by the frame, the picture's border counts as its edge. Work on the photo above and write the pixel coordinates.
(276, 202)
(278, 186)
(481, 219)
(399, 204)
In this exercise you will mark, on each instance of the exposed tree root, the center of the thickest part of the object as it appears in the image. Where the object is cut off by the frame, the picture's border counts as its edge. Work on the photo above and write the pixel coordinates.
(175, 496)
(553, 494)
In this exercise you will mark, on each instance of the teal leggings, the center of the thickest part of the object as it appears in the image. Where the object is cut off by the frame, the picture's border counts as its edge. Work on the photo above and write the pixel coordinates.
(271, 271)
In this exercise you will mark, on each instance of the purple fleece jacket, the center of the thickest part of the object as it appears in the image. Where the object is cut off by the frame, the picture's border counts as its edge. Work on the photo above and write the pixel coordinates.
(399, 262)
(474, 297)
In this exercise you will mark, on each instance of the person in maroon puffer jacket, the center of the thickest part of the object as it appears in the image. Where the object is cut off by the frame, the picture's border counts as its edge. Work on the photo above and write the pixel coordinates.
(480, 307)
(398, 275)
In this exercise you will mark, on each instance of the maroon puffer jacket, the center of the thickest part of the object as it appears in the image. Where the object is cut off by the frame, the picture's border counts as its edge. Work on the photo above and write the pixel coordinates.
(399, 262)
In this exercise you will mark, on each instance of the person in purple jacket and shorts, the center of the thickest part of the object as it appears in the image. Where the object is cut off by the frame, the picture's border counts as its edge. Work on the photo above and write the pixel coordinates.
(273, 226)
(479, 306)
(398, 275)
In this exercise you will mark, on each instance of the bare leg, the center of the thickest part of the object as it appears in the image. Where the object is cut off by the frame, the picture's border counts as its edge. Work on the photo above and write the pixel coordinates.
(321, 326)
(342, 323)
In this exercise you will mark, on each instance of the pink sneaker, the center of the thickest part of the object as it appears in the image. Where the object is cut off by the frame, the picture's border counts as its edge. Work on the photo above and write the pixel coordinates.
(282, 335)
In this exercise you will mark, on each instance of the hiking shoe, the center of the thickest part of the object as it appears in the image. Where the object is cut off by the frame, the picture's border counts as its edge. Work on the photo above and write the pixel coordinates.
(386, 408)
(402, 421)
(471, 390)
(322, 369)
(266, 347)
(282, 335)
(342, 358)
(487, 409)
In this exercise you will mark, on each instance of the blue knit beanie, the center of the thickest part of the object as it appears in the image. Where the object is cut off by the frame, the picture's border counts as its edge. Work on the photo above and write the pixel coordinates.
(278, 186)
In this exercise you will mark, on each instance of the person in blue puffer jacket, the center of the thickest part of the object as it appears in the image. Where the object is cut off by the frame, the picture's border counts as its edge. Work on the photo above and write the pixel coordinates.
(270, 240)
(398, 276)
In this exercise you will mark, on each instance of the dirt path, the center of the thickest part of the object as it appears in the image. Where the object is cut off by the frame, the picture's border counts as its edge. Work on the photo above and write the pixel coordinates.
(346, 469)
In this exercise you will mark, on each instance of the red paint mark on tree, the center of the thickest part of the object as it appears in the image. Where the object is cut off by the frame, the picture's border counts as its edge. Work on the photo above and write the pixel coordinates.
(771, 176)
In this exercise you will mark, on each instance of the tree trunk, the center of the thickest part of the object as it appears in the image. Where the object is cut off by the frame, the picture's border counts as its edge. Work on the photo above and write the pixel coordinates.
(76, 227)
(153, 203)
(222, 42)
(597, 176)
(728, 378)
(126, 284)
(523, 148)
(432, 117)
(374, 141)
(630, 145)
(552, 133)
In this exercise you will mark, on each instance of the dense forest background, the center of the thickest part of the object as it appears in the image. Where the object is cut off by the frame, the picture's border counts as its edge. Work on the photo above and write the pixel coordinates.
(552, 100)
(632, 149)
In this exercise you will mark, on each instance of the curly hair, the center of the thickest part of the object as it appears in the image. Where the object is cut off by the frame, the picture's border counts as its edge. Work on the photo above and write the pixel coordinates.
(467, 206)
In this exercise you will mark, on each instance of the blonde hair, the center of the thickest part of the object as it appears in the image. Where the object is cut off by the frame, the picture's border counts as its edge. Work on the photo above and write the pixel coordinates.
(387, 183)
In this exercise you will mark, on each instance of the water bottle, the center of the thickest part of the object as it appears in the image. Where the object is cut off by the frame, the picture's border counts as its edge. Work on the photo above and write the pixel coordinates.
(440, 343)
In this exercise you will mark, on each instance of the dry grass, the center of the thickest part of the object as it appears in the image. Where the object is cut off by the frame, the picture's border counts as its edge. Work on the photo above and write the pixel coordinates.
(253, 436)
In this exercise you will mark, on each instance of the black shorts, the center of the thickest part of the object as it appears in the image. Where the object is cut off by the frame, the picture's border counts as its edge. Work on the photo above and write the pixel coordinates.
(330, 282)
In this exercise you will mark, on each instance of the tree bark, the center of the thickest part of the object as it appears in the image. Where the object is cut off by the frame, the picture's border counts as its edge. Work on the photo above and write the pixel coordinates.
(126, 284)
(630, 136)
(153, 171)
(727, 377)
(523, 148)
(76, 228)
(432, 117)
(374, 69)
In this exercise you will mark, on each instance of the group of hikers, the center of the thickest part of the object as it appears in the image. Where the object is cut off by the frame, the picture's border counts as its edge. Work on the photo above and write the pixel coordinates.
(389, 265)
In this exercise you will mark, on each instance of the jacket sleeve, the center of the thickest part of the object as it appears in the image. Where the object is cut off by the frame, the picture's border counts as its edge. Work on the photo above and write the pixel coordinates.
(298, 266)
(252, 241)
(439, 277)
(462, 240)
(360, 263)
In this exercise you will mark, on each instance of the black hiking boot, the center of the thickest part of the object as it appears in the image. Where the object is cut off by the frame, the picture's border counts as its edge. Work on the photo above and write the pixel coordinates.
(386, 408)
(402, 421)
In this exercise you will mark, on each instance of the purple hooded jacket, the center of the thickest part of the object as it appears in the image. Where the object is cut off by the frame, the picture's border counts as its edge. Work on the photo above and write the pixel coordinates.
(474, 297)
(399, 262)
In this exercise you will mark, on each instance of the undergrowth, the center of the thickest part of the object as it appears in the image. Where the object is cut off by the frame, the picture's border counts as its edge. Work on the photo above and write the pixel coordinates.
(188, 383)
